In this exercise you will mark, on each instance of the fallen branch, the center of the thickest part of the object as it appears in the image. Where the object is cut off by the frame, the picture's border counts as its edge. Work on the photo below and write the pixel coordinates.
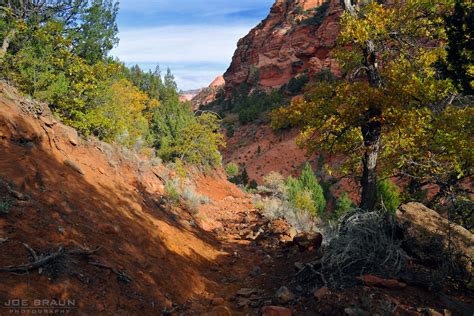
(32, 252)
(120, 274)
(42, 260)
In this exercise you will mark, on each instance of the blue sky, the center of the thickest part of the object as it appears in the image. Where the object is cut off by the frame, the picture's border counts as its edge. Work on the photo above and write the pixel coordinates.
(195, 38)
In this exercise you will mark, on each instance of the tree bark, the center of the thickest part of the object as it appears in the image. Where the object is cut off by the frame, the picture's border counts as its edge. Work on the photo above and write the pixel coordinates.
(6, 42)
(371, 132)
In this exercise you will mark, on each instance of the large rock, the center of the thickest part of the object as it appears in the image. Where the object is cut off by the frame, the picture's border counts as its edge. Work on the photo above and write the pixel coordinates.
(425, 230)
(286, 44)
(308, 241)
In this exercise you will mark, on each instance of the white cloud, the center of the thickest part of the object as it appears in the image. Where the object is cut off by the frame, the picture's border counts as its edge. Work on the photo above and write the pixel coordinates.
(184, 44)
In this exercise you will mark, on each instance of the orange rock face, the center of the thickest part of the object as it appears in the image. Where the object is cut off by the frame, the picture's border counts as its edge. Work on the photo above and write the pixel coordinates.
(207, 95)
(290, 41)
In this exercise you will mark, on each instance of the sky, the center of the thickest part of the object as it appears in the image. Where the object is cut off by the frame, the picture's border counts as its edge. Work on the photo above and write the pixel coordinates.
(194, 38)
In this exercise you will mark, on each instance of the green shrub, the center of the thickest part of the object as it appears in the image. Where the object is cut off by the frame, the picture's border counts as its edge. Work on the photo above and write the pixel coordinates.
(253, 185)
(171, 191)
(310, 182)
(304, 201)
(232, 169)
(318, 16)
(5, 205)
(306, 182)
(343, 205)
(296, 84)
(388, 195)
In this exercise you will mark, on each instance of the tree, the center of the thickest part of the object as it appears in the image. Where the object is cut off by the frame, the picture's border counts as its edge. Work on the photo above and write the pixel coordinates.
(232, 170)
(89, 25)
(388, 91)
(118, 116)
(200, 140)
(97, 34)
(459, 65)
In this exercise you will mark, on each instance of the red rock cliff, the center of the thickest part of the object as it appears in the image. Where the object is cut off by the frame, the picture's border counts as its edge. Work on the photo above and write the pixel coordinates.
(297, 36)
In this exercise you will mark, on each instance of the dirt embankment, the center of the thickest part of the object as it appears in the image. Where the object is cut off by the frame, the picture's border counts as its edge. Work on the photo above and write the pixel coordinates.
(85, 221)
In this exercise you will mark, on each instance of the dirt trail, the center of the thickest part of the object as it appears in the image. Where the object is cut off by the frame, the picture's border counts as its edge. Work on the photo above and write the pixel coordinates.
(62, 194)
(58, 190)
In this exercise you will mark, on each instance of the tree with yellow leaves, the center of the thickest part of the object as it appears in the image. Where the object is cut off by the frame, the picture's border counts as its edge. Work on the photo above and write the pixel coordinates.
(385, 111)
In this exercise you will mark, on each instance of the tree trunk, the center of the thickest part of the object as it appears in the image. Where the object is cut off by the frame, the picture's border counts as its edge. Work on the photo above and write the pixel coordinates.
(6, 42)
(371, 126)
(371, 132)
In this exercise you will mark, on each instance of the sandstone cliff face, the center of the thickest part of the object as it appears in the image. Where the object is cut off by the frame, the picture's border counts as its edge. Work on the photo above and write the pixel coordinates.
(208, 95)
(297, 36)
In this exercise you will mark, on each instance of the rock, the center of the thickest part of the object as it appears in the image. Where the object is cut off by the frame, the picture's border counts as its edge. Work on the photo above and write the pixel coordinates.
(432, 312)
(19, 196)
(355, 311)
(209, 94)
(423, 227)
(280, 48)
(219, 311)
(48, 120)
(216, 301)
(275, 311)
(242, 302)
(70, 134)
(246, 292)
(291, 232)
(308, 240)
(283, 295)
(372, 280)
(256, 271)
(320, 293)
(100, 307)
(74, 166)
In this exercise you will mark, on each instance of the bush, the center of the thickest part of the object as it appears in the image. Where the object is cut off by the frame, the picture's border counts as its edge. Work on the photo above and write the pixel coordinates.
(199, 142)
(366, 244)
(343, 205)
(232, 169)
(310, 182)
(191, 198)
(318, 16)
(304, 201)
(388, 195)
(275, 182)
(171, 191)
(296, 84)
(306, 182)
(301, 220)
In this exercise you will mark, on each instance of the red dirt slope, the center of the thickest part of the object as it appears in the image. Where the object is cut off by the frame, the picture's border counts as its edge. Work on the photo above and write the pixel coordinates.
(116, 205)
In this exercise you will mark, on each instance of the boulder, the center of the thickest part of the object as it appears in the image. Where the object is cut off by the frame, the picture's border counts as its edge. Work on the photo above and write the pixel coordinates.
(426, 232)
(310, 241)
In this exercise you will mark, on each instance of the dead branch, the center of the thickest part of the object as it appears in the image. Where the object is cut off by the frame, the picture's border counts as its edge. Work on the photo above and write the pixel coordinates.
(42, 260)
(32, 252)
